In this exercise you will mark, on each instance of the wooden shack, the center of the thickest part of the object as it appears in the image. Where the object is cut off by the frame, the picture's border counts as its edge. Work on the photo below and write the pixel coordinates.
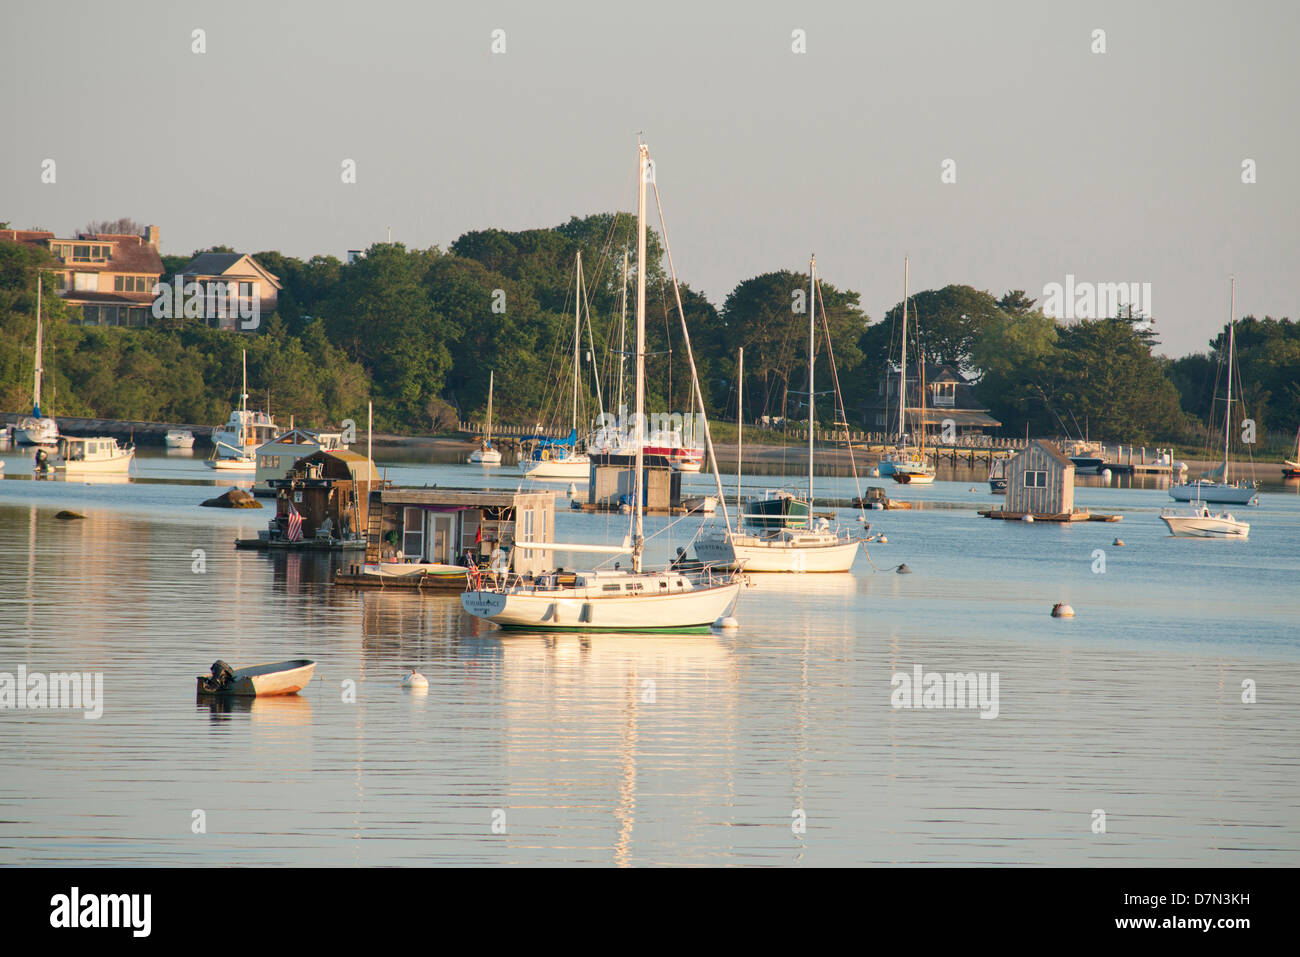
(1040, 484)
(427, 537)
(612, 480)
(328, 491)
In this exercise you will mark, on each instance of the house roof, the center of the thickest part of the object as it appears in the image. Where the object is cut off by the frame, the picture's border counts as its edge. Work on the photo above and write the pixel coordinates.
(359, 466)
(131, 254)
(451, 497)
(228, 264)
(962, 417)
(1052, 450)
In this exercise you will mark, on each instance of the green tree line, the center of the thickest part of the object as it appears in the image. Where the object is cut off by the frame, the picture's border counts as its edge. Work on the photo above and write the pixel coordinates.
(419, 331)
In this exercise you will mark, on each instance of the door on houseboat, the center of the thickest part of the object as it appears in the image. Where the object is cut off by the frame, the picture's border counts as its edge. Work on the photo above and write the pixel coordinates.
(441, 542)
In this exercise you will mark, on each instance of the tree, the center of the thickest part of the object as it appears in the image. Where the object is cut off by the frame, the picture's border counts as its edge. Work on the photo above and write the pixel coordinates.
(114, 227)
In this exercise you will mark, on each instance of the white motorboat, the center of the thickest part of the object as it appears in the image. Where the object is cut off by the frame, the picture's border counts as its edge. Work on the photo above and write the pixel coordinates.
(179, 439)
(1216, 485)
(100, 453)
(1200, 522)
(615, 599)
(776, 531)
(485, 454)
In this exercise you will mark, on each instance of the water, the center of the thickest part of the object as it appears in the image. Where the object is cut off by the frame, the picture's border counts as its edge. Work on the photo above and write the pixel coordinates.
(618, 750)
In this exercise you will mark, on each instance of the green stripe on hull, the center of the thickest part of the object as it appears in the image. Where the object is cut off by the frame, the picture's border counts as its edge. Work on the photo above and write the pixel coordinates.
(683, 630)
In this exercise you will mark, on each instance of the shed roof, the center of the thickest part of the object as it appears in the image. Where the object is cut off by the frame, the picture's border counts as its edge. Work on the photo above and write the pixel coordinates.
(1052, 450)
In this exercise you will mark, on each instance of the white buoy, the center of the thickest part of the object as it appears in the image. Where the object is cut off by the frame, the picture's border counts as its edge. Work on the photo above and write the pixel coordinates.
(415, 680)
(1062, 610)
(1105, 473)
(1026, 517)
(882, 540)
(874, 473)
(573, 490)
(1118, 543)
(727, 623)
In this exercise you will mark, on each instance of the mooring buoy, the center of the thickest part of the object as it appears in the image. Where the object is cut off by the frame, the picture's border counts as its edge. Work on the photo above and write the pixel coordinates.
(1027, 517)
(903, 570)
(726, 623)
(1118, 543)
(1062, 610)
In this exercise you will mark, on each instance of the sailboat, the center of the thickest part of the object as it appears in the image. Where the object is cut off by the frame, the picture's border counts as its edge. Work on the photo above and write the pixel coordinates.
(486, 454)
(36, 429)
(903, 458)
(559, 458)
(613, 599)
(777, 531)
(1291, 467)
(227, 456)
(1215, 485)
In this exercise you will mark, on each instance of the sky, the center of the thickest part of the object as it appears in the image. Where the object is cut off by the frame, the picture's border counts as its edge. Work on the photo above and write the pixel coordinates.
(1117, 166)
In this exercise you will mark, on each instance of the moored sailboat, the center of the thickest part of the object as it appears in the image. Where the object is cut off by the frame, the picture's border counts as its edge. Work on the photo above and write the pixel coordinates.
(485, 454)
(611, 599)
(36, 429)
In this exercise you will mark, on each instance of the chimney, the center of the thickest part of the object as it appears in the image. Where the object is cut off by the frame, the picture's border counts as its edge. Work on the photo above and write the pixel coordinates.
(151, 236)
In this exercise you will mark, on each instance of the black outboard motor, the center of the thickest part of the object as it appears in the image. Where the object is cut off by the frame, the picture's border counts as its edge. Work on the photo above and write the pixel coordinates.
(222, 676)
(42, 460)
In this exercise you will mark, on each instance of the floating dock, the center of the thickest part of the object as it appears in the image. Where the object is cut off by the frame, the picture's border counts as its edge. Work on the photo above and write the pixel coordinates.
(1049, 516)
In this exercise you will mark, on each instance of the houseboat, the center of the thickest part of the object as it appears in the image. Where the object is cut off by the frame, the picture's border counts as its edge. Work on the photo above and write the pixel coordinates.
(322, 504)
(431, 538)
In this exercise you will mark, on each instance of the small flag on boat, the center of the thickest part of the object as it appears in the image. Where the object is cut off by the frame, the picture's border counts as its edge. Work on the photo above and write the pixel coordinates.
(295, 525)
(478, 536)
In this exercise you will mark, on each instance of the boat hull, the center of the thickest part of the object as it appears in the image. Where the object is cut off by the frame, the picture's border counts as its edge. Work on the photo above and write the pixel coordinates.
(277, 678)
(1189, 527)
(557, 468)
(46, 433)
(116, 464)
(912, 478)
(485, 457)
(689, 612)
(185, 441)
(1214, 493)
(753, 554)
(233, 465)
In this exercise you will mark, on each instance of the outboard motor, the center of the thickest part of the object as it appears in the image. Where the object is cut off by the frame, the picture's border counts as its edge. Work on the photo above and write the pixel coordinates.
(222, 676)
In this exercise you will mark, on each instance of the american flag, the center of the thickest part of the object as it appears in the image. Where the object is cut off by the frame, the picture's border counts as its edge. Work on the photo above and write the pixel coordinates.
(295, 525)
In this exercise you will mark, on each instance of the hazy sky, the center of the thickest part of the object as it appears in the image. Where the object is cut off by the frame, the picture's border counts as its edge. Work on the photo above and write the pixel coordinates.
(1117, 167)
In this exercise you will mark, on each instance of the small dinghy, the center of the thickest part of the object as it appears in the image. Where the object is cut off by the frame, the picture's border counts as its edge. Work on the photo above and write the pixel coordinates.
(279, 677)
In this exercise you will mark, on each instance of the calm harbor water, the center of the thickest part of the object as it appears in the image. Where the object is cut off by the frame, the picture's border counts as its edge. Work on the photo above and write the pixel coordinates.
(625, 750)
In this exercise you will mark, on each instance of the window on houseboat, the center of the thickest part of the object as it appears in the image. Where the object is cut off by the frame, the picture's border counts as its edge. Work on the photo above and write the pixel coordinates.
(413, 533)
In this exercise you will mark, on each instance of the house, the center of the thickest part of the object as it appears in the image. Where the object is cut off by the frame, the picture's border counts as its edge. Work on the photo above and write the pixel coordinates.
(1040, 481)
(109, 278)
(234, 278)
(948, 397)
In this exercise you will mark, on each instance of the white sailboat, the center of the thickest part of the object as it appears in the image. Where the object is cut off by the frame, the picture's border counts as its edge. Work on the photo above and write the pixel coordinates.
(907, 465)
(1291, 467)
(236, 451)
(1216, 486)
(36, 429)
(485, 454)
(777, 531)
(560, 459)
(613, 599)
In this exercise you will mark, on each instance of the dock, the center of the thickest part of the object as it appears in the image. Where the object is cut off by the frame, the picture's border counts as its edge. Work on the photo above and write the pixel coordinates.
(1049, 516)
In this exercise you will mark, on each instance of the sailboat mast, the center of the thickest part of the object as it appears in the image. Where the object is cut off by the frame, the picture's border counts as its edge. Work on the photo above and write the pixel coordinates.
(243, 405)
(1227, 405)
(577, 336)
(36, 385)
(902, 369)
(740, 424)
(622, 335)
(812, 355)
(491, 383)
(638, 533)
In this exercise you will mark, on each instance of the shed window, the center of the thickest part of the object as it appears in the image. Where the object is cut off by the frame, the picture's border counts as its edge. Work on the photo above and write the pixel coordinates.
(1035, 479)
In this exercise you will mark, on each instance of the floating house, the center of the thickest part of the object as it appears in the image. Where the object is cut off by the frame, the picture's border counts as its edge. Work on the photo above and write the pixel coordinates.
(613, 477)
(322, 503)
(428, 537)
(1040, 485)
(276, 457)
